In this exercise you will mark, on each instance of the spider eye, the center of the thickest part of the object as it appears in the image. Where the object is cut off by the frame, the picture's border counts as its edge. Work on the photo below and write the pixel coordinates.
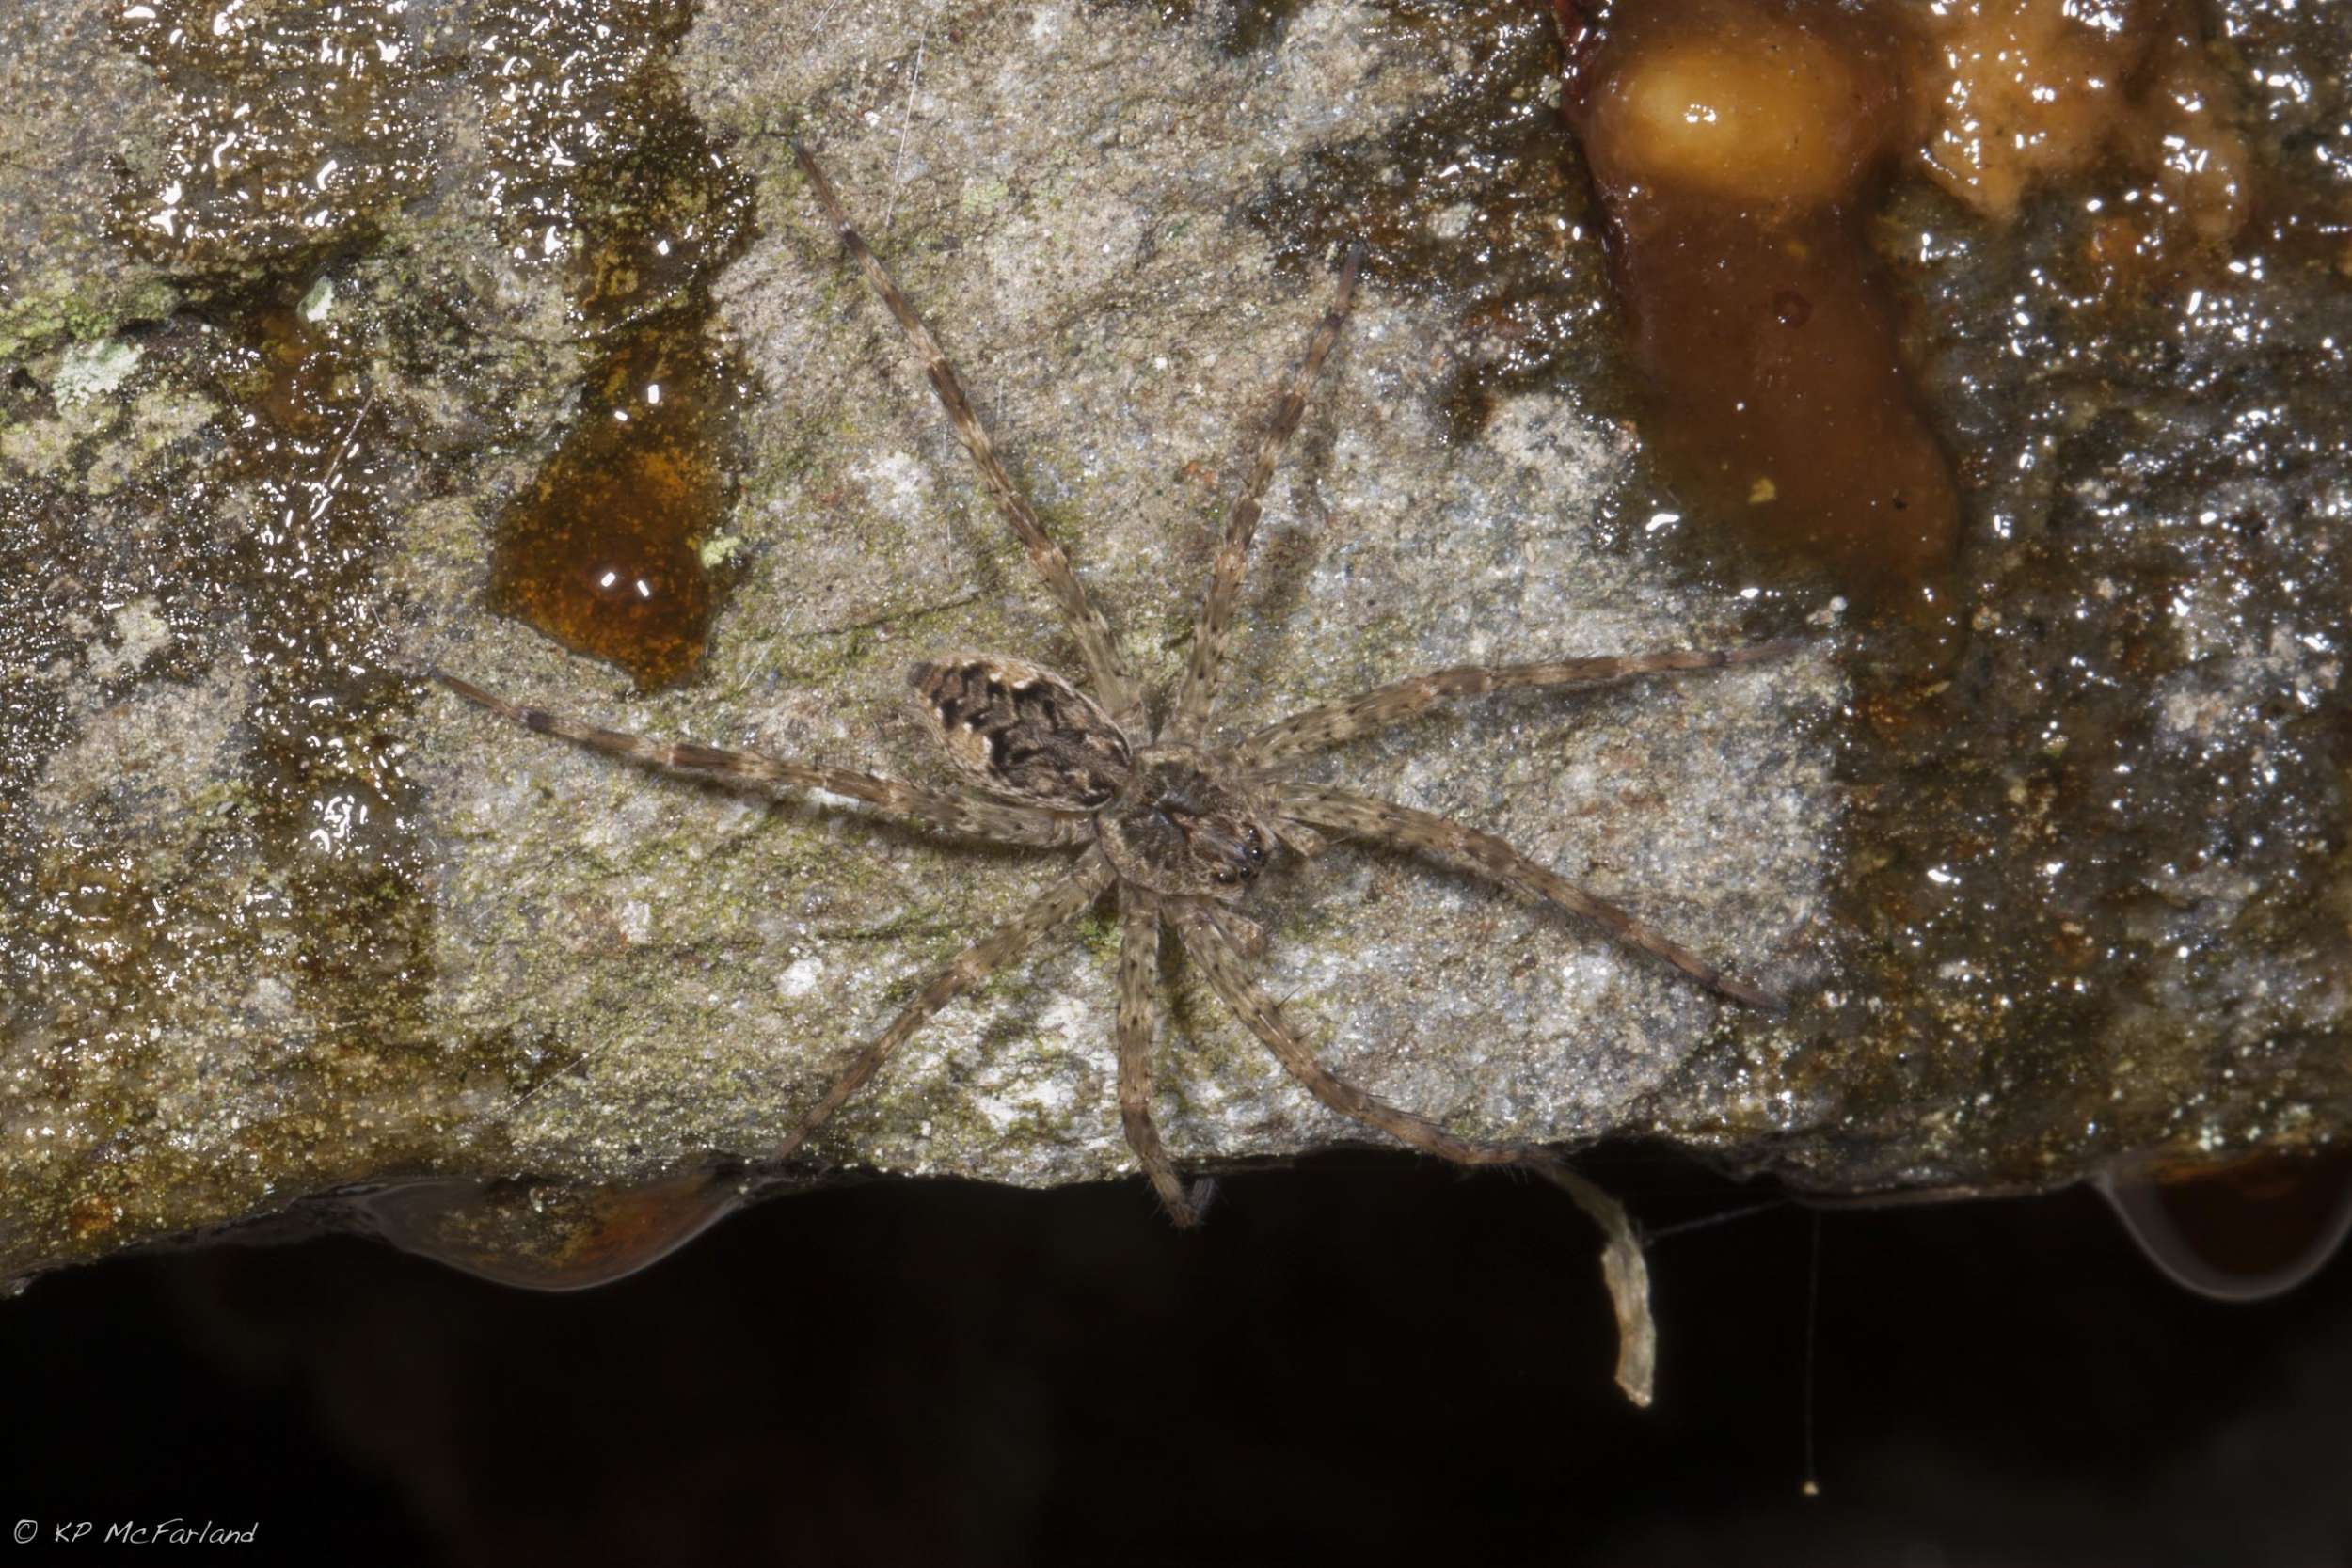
(1226, 877)
(1255, 847)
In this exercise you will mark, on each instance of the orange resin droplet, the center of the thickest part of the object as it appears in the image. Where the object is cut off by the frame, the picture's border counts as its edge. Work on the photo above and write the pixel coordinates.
(1753, 113)
(600, 553)
(1738, 148)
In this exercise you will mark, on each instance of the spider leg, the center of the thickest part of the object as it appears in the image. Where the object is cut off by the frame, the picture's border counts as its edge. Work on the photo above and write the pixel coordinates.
(1622, 1266)
(1058, 903)
(1229, 978)
(1331, 723)
(957, 814)
(1404, 828)
(1112, 683)
(1246, 935)
(1205, 672)
(1138, 951)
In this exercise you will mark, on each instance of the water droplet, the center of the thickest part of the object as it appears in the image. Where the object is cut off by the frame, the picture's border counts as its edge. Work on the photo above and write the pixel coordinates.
(2244, 1232)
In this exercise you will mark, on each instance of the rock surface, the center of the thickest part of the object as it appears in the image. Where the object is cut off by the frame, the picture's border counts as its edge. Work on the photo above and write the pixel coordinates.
(281, 920)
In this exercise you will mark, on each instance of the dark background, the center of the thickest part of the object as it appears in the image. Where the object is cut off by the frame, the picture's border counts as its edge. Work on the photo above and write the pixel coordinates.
(1371, 1358)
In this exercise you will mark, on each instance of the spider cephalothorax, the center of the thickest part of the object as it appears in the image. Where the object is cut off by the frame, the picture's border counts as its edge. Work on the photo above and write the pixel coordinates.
(1186, 826)
(1178, 825)
(1170, 819)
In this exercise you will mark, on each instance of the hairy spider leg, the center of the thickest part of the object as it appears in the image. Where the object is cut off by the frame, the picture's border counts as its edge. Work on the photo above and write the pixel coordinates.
(1420, 831)
(1622, 1264)
(968, 816)
(1229, 978)
(1328, 723)
(1113, 685)
(1205, 672)
(1073, 892)
(1138, 955)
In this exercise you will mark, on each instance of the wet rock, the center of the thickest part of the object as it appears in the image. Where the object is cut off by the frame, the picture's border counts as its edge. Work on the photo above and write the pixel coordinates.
(282, 921)
(61, 269)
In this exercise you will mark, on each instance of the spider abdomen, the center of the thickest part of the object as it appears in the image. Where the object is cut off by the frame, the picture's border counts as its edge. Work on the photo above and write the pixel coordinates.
(1020, 730)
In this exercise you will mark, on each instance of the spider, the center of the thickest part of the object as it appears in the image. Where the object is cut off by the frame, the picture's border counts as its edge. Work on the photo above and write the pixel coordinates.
(1178, 825)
